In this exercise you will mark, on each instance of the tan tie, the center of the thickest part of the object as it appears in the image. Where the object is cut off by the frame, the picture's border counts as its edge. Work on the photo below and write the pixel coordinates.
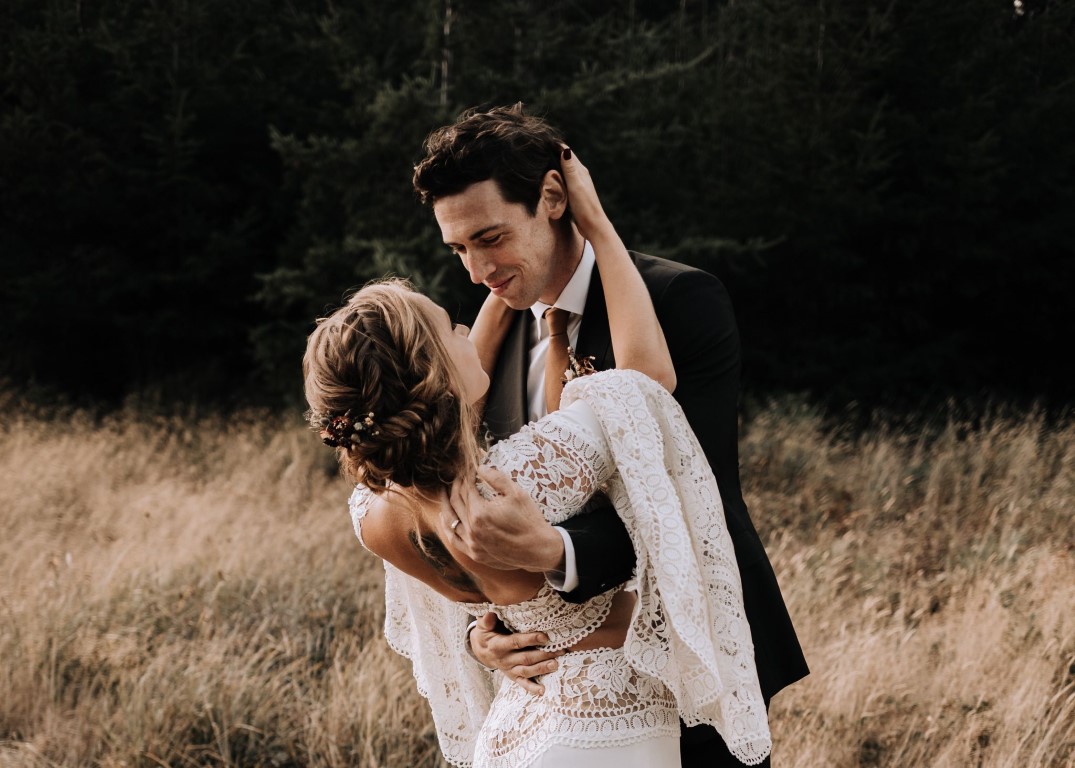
(556, 359)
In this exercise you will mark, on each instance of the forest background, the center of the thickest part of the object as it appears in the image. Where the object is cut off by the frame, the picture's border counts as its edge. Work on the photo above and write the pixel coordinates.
(886, 188)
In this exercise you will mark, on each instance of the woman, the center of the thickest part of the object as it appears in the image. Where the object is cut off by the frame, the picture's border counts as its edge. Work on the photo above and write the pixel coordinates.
(393, 384)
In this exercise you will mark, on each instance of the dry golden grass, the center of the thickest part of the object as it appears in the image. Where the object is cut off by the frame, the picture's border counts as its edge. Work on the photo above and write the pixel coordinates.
(187, 591)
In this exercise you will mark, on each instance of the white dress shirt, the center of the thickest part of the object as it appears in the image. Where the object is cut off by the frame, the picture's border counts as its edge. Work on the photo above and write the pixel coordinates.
(572, 299)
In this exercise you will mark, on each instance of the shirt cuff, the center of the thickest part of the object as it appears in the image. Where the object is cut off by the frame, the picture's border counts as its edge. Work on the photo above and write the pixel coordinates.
(566, 580)
(470, 650)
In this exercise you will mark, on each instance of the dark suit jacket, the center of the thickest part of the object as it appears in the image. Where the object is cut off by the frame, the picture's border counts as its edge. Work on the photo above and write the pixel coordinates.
(696, 314)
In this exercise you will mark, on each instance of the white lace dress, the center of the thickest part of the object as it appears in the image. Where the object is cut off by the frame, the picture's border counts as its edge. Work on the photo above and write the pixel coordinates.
(688, 652)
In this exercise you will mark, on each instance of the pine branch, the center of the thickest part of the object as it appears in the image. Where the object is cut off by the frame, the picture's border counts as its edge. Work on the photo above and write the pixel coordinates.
(664, 70)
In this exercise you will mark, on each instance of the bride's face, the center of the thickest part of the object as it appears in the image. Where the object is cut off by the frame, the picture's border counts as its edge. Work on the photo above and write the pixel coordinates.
(461, 350)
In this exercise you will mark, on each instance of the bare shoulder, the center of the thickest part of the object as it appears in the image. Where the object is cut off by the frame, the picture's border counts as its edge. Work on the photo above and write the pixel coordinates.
(386, 526)
(392, 531)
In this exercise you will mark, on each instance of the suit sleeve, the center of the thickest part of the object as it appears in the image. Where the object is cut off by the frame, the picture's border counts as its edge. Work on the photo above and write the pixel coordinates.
(696, 314)
(604, 555)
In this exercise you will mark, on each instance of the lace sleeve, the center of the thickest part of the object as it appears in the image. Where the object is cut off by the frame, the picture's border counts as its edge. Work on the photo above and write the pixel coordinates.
(561, 460)
(689, 627)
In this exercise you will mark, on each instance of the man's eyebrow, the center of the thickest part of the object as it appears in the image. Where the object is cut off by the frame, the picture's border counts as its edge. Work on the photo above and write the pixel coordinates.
(476, 235)
(482, 231)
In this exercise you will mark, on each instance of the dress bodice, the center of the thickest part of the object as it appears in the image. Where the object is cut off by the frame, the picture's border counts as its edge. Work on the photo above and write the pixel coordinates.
(565, 623)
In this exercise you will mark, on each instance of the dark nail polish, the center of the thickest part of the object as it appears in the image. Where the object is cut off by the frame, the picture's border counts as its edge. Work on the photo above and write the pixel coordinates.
(567, 153)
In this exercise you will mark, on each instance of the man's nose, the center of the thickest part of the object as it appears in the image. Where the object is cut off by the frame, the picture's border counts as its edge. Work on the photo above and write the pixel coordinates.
(478, 268)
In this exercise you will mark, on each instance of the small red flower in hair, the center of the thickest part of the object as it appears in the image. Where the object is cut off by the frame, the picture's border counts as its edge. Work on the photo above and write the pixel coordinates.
(345, 431)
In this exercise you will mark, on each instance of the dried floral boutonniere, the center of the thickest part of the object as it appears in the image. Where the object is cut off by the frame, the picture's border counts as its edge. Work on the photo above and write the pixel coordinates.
(578, 366)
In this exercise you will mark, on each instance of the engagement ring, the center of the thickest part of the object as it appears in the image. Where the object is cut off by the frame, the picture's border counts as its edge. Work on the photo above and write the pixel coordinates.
(455, 524)
(485, 491)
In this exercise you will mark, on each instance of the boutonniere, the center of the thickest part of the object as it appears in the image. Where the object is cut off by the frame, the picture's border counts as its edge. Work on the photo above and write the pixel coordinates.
(578, 366)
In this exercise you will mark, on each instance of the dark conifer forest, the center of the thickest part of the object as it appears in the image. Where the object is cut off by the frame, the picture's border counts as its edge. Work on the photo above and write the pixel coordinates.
(886, 188)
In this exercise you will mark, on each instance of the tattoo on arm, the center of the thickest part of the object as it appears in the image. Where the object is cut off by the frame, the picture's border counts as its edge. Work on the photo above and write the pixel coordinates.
(432, 550)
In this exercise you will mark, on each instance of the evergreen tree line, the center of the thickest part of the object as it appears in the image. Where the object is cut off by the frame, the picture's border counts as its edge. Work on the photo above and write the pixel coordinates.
(884, 187)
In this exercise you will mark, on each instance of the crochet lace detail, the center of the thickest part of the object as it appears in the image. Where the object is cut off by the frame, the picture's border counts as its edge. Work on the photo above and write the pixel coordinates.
(593, 699)
(565, 623)
(689, 628)
(359, 506)
(558, 461)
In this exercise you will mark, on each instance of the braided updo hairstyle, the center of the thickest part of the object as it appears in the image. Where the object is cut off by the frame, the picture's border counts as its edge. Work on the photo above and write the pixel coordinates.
(381, 354)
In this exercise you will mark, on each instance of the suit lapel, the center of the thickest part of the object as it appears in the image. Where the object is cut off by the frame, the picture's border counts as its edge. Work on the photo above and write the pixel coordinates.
(505, 408)
(594, 336)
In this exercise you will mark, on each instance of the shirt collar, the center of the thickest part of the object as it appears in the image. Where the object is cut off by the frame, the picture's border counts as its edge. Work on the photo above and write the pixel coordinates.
(573, 297)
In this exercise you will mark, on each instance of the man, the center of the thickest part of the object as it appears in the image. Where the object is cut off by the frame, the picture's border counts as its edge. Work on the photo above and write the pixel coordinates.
(494, 182)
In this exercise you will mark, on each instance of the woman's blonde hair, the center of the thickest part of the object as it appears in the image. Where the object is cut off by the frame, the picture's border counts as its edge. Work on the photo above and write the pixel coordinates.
(381, 354)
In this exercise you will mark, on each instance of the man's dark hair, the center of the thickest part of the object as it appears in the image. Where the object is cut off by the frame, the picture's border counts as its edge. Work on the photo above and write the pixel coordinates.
(514, 149)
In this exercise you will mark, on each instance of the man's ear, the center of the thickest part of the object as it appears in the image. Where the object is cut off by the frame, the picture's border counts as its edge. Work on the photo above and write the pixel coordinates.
(554, 194)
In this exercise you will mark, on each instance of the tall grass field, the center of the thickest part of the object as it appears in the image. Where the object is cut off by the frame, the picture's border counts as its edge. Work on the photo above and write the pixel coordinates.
(187, 591)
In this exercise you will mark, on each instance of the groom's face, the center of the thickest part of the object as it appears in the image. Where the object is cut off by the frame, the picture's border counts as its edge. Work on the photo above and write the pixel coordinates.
(503, 247)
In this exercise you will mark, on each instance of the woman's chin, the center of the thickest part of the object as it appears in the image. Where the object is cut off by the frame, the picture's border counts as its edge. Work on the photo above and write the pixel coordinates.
(481, 392)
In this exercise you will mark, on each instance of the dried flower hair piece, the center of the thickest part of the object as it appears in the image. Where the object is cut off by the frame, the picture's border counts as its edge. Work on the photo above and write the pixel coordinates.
(344, 431)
